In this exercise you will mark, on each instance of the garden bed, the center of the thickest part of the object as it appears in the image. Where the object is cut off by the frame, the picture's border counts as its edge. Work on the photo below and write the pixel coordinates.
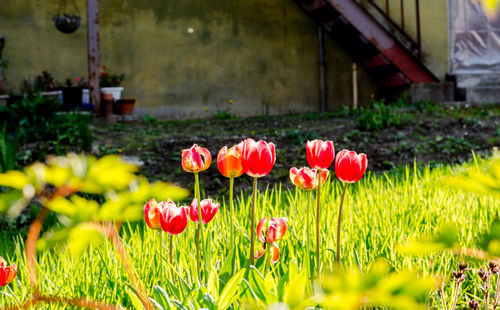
(391, 137)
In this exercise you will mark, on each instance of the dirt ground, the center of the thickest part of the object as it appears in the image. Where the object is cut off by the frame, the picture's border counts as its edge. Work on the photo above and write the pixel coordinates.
(430, 134)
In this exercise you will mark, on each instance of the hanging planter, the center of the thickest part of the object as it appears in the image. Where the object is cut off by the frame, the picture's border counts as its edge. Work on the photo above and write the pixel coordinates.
(67, 21)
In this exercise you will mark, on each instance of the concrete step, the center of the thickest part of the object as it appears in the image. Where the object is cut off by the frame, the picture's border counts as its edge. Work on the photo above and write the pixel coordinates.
(478, 80)
(483, 94)
(437, 92)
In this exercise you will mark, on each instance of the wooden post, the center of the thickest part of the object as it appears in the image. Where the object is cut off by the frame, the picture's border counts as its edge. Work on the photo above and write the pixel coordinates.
(322, 85)
(93, 54)
(354, 85)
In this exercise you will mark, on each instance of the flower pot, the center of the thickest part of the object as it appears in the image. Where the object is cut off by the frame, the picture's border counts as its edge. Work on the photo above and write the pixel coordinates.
(107, 102)
(86, 106)
(67, 23)
(125, 106)
(72, 98)
(56, 95)
(4, 99)
(115, 91)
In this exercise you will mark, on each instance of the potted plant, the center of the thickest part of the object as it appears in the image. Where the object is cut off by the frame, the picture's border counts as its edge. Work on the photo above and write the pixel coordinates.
(110, 83)
(72, 96)
(44, 84)
(84, 85)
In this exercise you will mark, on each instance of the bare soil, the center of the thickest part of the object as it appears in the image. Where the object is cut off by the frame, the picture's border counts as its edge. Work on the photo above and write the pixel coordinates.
(428, 135)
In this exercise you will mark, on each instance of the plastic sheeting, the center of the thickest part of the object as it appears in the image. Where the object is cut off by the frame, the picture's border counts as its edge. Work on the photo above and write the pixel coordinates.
(475, 40)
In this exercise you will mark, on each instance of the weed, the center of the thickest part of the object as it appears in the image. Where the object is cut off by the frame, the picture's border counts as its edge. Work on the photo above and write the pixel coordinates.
(223, 114)
(150, 120)
(300, 137)
(380, 116)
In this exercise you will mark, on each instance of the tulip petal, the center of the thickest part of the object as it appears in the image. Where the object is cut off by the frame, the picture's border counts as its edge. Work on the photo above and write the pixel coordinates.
(261, 251)
(260, 229)
(275, 253)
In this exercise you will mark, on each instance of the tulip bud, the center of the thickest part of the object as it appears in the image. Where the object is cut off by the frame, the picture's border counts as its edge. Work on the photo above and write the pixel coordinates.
(7, 273)
(208, 210)
(258, 158)
(320, 154)
(196, 159)
(307, 179)
(152, 214)
(174, 220)
(349, 166)
(229, 161)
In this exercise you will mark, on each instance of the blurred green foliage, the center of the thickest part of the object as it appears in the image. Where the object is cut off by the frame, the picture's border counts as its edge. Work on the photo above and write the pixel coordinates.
(63, 185)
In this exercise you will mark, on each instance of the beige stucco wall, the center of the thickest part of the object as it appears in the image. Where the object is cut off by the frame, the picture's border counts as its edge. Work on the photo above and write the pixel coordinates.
(433, 28)
(262, 54)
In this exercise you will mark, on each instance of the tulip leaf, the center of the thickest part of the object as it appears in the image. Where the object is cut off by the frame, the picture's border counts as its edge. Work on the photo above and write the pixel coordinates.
(258, 284)
(295, 290)
(161, 297)
(213, 283)
(173, 289)
(228, 294)
(227, 270)
(136, 302)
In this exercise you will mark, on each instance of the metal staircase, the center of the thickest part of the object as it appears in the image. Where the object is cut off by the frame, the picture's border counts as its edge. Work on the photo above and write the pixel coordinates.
(369, 43)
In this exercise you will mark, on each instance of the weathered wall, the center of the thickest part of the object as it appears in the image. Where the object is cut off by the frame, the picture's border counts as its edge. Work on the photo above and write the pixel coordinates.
(433, 28)
(261, 54)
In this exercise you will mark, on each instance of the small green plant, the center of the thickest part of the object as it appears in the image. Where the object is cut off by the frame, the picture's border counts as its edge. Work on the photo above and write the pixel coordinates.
(300, 137)
(223, 114)
(150, 120)
(8, 150)
(379, 115)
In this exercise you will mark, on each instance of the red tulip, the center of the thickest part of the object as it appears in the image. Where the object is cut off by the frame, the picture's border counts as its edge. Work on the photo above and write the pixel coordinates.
(229, 161)
(173, 220)
(208, 210)
(349, 166)
(152, 213)
(269, 231)
(258, 158)
(306, 178)
(320, 154)
(192, 160)
(7, 273)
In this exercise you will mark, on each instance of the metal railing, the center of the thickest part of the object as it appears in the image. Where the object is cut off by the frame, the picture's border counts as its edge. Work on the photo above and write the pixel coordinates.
(415, 43)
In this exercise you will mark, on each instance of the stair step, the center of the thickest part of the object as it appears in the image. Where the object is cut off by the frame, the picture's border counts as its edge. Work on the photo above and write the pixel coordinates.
(436, 92)
(483, 94)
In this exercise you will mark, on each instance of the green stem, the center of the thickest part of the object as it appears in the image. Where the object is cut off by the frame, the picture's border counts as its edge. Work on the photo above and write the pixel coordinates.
(308, 234)
(318, 196)
(159, 254)
(170, 251)
(200, 223)
(231, 210)
(252, 223)
(339, 222)
(267, 259)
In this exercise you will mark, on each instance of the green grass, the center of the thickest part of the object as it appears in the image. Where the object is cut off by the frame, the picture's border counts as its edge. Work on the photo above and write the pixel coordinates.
(381, 212)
